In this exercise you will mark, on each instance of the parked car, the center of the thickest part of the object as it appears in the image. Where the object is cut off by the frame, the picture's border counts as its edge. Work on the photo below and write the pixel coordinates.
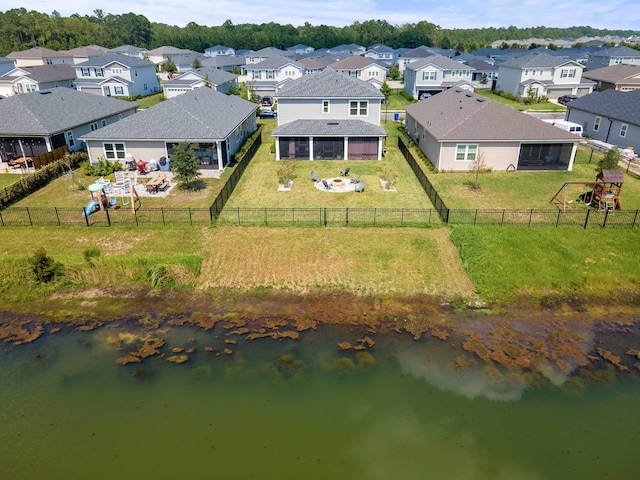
(268, 113)
(266, 101)
(564, 99)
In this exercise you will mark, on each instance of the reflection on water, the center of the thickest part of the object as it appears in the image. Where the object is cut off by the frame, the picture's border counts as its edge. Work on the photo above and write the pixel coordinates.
(301, 409)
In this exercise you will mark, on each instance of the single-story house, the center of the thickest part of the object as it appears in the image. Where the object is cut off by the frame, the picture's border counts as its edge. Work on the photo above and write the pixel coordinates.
(215, 124)
(39, 122)
(211, 77)
(35, 78)
(456, 126)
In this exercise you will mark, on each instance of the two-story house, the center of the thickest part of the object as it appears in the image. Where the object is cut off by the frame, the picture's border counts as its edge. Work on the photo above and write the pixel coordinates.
(315, 64)
(38, 122)
(267, 53)
(300, 49)
(348, 49)
(6, 65)
(382, 54)
(40, 56)
(431, 75)
(82, 54)
(613, 56)
(36, 78)
(219, 51)
(266, 77)
(329, 116)
(130, 50)
(624, 77)
(363, 68)
(541, 74)
(161, 54)
(117, 75)
(420, 53)
(210, 77)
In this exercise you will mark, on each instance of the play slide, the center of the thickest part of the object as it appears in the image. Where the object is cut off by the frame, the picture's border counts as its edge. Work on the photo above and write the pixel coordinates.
(91, 207)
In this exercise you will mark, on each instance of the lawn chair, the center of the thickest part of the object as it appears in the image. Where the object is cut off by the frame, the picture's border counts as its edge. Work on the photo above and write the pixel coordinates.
(327, 185)
(345, 172)
(355, 179)
(314, 178)
(360, 187)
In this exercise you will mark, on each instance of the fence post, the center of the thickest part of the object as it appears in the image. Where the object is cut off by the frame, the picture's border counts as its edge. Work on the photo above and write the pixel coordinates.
(57, 216)
(632, 225)
(375, 211)
(29, 215)
(530, 217)
(586, 219)
(347, 216)
(402, 217)
(239, 216)
(558, 219)
(266, 220)
(190, 217)
(106, 210)
(135, 215)
(325, 216)
(86, 217)
(606, 215)
(162, 211)
(502, 221)
(475, 216)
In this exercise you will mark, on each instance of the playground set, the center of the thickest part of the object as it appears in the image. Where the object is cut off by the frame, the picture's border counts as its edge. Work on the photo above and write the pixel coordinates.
(103, 197)
(604, 194)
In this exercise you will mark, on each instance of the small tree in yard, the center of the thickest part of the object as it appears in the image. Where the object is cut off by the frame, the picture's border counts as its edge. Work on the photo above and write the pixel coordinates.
(184, 165)
(478, 165)
(610, 161)
(286, 173)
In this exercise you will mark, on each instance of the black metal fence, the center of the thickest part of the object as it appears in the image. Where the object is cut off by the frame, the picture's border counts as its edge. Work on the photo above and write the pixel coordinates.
(222, 197)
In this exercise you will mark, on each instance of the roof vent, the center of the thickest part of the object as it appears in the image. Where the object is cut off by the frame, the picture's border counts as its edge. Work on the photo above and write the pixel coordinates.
(458, 90)
(45, 92)
(469, 95)
(333, 123)
(480, 99)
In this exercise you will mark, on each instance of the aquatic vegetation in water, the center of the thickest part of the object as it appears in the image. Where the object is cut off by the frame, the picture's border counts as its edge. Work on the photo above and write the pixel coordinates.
(345, 366)
(365, 361)
(201, 372)
(141, 373)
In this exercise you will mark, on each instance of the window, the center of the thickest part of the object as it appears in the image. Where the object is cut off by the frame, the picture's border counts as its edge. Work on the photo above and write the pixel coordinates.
(114, 150)
(596, 124)
(526, 72)
(466, 153)
(99, 72)
(429, 75)
(568, 73)
(256, 74)
(31, 87)
(623, 130)
(118, 90)
(145, 86)
(541, 72)
(116, 71)
(358, 108)
(270, 75)
(325, 106)
(617, 61)
(94, 127)
(104, 122)
(69, 136)
(84, 71)
(48, 61)
(289, 73)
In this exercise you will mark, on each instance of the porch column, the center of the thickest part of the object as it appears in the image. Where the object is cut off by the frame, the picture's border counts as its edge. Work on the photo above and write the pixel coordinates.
(346, 148)
(380, 140)
(573, 156)
(310, 148)
(277, 148)
(221, 161)
(47, 141)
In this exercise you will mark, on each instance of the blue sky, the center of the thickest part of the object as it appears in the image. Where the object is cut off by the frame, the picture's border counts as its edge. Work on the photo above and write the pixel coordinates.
(611, 14)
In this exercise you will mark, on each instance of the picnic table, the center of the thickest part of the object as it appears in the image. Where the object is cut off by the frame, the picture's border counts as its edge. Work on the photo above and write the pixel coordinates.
(157, 183)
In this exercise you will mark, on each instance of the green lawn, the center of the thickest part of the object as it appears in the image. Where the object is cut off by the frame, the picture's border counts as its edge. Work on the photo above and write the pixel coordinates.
(397, 101)
(259, 184)
(150, 100)
(525, 190)
(546, 106)
(7, 179)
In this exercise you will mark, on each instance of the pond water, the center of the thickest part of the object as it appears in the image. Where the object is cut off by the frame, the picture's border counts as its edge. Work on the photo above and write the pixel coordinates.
(67, 411)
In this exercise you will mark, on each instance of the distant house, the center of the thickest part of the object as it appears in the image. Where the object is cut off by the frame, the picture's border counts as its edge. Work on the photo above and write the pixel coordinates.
(300, 49)
(266, 54)
(382, 54)
(624, 77)
(161, 54)
(267, 76)
(6, 65)
(456, 126)
(329, 116)
(435, 74)
(363, 68)
(219, 51)
(232, 63)
(82, 54)
(610, 116)
(315, 64)
(613, 56)
(40, 56)
(40, 122)
(420, 53)
(213, 123)
(349, 49)
(36, 78)
(130, 50)
(210, 77)
(116, 75)
(484, 73)
(543, 75)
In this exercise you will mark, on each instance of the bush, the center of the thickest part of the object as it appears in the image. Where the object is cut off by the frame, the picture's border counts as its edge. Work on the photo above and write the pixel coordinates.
(246, 145)
(90, 253)
(286, 173)
(610, 160)
(44, 268)
(104, 168)
(387, 177)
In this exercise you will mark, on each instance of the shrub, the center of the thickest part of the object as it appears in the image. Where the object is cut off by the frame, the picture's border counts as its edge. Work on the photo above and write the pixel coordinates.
(90, 253)
(388, 177)
(102, 169)
(610, 160)
(286, 173)
(44, 268)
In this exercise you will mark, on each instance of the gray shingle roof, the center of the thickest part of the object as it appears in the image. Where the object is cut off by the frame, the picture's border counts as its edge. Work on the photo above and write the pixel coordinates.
(39, 52)
(458, 115)
(215, 76)
(354, 62)
(613, 73)
(439, 61)
(329, 128)
(536, 60)
(274, 63)
(108, 58)
(328, 84)
(622, 106)
(53, 111)
(617, 52)
(46, 73)
(196, 115)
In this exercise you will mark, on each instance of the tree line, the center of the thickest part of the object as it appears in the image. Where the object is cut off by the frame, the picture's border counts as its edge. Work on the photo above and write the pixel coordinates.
(21, 29)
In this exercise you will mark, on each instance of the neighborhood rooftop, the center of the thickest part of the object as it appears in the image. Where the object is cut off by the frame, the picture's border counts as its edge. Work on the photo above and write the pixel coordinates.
(624, 106)
(328, 83)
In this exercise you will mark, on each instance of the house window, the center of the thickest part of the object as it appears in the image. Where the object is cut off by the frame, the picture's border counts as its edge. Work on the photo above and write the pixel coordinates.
(526, 72)
(85, 72)
(568, 73)
(541, 72)
(118, 90)
(31, 87)
(256, 74)
(94, 127)
(114, 150)
(116, 71)
(145, 86)
(617, 61)
(325, 106)
(104, 123)
(357, 108)
(623, 130)
(99, 72)
(596, 124)
(270, 75)
(373, 73)
(466, 153)
(70, 140)
(48, 61)
(429, 75)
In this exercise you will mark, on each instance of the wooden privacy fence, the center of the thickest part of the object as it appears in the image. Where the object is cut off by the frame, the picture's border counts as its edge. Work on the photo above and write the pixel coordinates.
(44, 159)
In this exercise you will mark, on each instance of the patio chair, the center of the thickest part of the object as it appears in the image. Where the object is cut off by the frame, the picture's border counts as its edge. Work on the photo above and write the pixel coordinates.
(314, 177)
(327, 185)
(345, 172)
(360, 187)
(355, 179)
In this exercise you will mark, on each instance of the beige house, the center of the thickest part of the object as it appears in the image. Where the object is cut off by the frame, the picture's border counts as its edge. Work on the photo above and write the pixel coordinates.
(40, 56)
(624, 77)
(363, 68)
(456, 127)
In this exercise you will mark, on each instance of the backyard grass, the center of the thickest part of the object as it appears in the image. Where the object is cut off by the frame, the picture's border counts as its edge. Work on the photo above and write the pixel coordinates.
(527, 190)
(7, 179)
(545, 106)
(397, 101)
(150, 100)
(259, 184)
(508, 264)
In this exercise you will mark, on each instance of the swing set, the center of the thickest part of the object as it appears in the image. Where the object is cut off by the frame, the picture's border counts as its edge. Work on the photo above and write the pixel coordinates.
(603, 196)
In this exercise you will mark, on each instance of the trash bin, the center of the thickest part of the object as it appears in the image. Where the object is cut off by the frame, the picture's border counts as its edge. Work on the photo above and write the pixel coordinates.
(396, 116)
